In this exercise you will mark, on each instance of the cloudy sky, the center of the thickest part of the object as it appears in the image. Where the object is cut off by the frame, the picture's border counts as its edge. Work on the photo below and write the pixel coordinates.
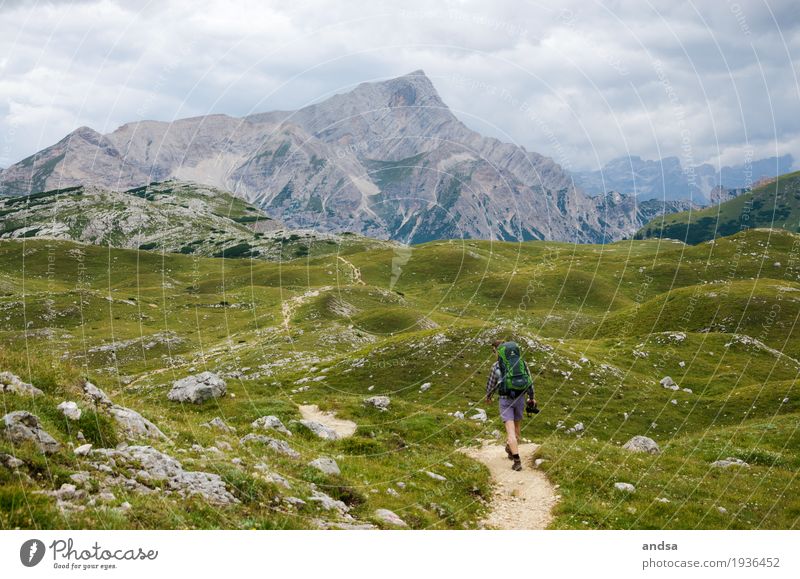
(582, 81)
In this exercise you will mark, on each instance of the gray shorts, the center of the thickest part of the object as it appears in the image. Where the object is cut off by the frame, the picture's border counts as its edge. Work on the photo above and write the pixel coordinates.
(512, 408)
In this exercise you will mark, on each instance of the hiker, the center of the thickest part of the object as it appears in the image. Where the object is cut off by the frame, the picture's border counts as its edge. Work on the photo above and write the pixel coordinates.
(512, 380)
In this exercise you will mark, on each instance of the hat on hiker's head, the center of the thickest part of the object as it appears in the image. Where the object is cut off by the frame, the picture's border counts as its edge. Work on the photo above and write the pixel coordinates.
(496, 343)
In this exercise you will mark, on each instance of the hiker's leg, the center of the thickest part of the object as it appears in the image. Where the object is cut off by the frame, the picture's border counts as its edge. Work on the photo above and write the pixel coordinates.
(512, 436)
(517, 425)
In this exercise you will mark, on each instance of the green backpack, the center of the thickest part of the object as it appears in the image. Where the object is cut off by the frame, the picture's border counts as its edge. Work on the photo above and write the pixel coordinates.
(516, 377)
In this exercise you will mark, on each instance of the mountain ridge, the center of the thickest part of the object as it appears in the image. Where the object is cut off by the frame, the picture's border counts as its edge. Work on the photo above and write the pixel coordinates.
(387, 159)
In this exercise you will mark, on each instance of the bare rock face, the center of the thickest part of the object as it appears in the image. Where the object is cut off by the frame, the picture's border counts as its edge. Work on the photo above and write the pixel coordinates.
(21, 426)
(197, 389)
(387, 159)
(12, 384)
(642, 444)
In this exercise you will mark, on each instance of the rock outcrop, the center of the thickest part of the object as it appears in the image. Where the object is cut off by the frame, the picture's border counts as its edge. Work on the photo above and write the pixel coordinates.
(642, 444)
(197, 389)
(21, 426)
(13, 384)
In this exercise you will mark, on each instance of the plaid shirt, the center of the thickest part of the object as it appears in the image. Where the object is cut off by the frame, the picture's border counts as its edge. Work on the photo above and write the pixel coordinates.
(496, 377)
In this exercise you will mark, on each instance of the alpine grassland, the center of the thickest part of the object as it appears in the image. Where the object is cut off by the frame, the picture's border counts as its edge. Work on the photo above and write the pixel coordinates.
(694, 346)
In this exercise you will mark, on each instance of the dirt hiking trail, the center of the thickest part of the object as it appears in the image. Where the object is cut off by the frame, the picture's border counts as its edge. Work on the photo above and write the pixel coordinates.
(522, 500)
(344, 428)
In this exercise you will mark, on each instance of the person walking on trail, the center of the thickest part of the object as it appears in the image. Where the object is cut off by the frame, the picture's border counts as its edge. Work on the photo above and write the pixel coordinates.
(512, 380)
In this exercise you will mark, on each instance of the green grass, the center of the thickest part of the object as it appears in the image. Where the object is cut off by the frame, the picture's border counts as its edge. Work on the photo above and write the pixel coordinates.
(602, 325)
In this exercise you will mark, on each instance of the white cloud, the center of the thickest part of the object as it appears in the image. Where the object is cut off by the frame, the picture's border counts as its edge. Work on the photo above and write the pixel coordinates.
(575, 81)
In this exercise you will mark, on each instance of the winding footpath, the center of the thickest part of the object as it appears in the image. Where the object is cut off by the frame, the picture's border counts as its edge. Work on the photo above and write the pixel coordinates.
(522, 500)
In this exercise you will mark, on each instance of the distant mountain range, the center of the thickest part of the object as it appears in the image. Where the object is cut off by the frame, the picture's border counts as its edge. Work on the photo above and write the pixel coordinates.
(667, 179)
(775, 205)
(387, 160)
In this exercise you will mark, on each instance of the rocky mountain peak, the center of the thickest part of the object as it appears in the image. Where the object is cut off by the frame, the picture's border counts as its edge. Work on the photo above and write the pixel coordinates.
(386, 159)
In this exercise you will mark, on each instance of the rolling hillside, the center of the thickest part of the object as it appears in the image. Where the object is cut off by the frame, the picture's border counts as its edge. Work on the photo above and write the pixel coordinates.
(603, 327)
(774, 205)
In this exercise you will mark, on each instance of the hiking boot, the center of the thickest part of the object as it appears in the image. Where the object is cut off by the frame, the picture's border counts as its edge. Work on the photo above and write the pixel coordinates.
(517, 465)
(509, 453)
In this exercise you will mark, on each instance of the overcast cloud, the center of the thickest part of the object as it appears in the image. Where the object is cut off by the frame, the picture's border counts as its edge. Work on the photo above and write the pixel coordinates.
(582, 82)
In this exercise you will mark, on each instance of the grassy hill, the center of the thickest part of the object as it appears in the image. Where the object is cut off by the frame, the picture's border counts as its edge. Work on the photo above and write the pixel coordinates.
(775, 205)
(602, 325)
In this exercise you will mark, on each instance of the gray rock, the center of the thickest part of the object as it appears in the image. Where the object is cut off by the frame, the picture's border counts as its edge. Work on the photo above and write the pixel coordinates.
(579, 427)
(390, 518)
(434, 476)
(326, 465)
(134, 425)
(642, 444)
(223, 445)
(198, 388)
(70, 410)
(392, 492)
(480, 415)
(669, 383)
(162, 468)
(425, 387)
(328, 503)
(294, 501)
(729, 462)
(219, 424)
(80, 478)
(379, 402)
(270, 422)
(21, 426)
(12, 384)
(625, 487)
(11, 462)
(83, 450)
(96, 395)
(320, 429)
(280, 446)
(278, 480)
